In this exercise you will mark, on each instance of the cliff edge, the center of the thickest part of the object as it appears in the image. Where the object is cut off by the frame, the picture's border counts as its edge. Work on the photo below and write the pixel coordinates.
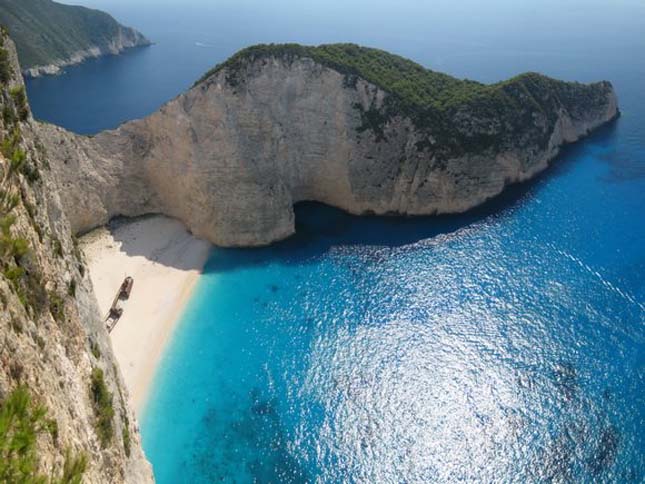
(64, 413)
(356, 128)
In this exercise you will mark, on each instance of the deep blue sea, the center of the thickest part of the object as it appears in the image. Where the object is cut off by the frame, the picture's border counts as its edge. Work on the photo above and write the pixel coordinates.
(503, 345)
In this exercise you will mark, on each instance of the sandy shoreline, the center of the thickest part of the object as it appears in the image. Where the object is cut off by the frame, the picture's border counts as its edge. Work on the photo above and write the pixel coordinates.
(165, 262)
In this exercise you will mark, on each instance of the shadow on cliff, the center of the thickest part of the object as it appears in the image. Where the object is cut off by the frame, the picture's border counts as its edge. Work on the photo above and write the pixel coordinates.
(319, 228)
(164, 241)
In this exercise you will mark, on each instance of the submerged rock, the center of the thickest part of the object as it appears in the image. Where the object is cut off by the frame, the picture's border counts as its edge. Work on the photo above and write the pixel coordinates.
(605, 454)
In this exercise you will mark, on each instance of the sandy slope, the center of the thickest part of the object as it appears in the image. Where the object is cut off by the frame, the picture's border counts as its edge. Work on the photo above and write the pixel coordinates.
(165, 262)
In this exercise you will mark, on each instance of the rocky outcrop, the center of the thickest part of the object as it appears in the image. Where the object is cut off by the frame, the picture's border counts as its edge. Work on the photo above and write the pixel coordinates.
(53, 343)
(231, 156)
(127, 38)
(50, 35)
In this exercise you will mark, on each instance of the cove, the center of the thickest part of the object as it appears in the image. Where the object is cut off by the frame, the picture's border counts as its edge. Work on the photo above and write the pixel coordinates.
(501, 344)
(506, 344)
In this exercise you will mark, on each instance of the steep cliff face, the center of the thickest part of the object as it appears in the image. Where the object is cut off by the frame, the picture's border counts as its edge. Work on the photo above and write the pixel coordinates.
(51, 35)
(55, 354)
(276, 125)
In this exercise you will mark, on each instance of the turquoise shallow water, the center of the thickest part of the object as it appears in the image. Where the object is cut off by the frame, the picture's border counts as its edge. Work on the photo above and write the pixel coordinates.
(504, 345)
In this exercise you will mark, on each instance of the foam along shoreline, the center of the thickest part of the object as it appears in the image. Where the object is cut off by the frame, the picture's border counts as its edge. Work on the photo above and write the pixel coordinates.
(165, 261)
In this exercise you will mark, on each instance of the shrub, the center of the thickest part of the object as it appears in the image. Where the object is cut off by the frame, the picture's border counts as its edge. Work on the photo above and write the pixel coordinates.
(94, 348)
(40, 341)
(21, 422)
(126, 440)
(32, 293)
(56, 306)
(20, 101)
(32, 212)
(31, 172)
(52, 428)
(14, 273)
(8, 115)
(73, 469)
(19, 247)
(11, 142)
(5, 66)
(58, 247)
(16, 324)
(6, 222)
(10, 246)
(103, 409)
(125, 432)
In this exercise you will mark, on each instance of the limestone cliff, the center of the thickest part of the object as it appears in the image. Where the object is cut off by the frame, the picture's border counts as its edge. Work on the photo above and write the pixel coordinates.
(351, 127)
(55, 355)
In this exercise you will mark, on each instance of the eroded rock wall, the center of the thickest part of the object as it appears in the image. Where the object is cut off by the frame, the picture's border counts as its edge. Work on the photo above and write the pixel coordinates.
(231, 160)
(52, 337)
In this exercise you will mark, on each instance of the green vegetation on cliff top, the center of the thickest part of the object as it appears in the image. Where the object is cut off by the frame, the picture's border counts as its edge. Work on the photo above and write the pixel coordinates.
(456, 115)
(394, 74)
(415, 86)
(45, 31)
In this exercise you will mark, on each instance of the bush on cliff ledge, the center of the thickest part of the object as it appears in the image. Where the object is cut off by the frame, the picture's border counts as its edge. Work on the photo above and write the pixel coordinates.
(102, 402)
(21, 422)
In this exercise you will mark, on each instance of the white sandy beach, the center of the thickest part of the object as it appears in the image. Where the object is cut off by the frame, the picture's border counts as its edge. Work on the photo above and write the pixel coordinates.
(165, 262)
